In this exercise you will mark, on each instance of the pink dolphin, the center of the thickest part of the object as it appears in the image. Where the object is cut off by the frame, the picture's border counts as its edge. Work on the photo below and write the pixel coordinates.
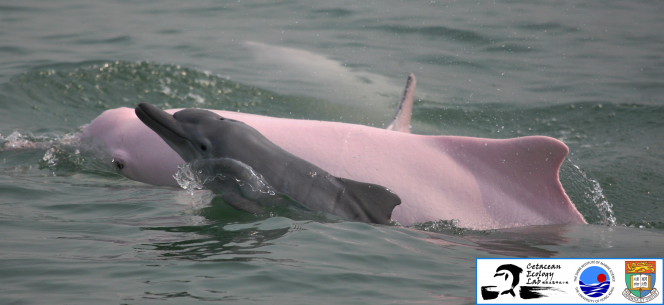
(483, 183)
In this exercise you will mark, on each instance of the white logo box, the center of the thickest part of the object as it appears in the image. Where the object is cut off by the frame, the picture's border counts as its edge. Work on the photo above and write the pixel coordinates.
(569, 281)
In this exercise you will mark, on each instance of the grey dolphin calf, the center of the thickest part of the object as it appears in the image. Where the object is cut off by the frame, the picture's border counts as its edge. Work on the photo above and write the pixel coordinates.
(197, 134)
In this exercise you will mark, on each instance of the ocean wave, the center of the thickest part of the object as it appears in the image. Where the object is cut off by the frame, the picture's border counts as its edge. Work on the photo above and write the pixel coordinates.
(595, 290)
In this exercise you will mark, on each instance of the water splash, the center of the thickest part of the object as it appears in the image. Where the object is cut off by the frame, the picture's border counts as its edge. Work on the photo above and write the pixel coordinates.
(60, 150)
(63, 152)
(188, 178)
(17, 140)
(14, 141)
(587, 195)
(201, 174)
(50, 158)
(441, 226)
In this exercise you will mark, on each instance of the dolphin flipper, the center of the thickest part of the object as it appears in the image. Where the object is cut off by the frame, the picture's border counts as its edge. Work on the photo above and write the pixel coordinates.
(401, 121)
(240, 203)
(366, 202)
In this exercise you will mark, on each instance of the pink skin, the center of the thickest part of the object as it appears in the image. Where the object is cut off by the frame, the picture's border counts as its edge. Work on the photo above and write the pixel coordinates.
(484, 183)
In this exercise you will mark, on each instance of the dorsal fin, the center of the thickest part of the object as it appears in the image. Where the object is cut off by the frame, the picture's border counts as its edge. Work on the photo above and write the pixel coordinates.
(401, 121)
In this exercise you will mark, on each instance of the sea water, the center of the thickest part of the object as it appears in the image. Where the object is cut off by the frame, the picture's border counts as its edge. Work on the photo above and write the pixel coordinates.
(74, 231)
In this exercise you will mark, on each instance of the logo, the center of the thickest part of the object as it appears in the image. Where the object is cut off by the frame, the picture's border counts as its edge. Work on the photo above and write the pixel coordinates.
(509, 275)
(594, 281)
(508, 282)
(640, 278)
(569, 281)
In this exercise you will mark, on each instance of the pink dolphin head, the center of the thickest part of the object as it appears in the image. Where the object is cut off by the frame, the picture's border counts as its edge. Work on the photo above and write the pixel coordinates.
(132, 147)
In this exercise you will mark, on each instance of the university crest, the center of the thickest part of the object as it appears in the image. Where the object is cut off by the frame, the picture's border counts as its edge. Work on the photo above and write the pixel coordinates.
(640, 278)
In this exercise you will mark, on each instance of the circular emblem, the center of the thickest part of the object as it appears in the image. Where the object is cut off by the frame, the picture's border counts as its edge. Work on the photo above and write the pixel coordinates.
(594, 281)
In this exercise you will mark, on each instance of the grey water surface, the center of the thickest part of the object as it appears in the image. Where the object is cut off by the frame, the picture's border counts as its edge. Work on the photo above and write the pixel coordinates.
(74, 231)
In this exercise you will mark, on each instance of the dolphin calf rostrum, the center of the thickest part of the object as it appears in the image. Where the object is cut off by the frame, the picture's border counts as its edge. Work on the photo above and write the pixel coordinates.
(197, 134)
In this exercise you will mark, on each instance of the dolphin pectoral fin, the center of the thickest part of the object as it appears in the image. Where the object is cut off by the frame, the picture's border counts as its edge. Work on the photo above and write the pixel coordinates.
(367, 202)
(240, 203)
(401, 121)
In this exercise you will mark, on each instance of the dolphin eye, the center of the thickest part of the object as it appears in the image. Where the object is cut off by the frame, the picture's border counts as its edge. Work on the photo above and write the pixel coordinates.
(119, 164)
(203, 147)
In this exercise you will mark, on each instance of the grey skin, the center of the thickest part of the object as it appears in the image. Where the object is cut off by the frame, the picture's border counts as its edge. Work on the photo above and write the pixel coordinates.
(197, 134)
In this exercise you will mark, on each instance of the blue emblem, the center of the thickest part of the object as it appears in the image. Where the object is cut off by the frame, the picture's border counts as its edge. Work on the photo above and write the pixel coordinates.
(594, 281)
